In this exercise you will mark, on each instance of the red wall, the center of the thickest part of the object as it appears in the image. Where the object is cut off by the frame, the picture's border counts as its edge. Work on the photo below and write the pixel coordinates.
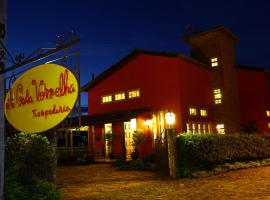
(196, 91)
(164, 82)
(117, 146)
(254, 97)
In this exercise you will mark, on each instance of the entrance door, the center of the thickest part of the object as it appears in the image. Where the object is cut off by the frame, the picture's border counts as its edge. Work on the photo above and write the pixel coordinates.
(128, 139)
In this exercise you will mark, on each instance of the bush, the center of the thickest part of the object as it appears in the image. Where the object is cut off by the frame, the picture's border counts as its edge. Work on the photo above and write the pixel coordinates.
(32, 155)
(30, 164)
(205, 151)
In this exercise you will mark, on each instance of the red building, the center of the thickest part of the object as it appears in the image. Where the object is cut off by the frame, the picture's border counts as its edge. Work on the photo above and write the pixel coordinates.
(207, 92)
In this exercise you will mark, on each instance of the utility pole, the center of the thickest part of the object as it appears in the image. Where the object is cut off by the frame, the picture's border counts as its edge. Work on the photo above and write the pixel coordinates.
(3, 20)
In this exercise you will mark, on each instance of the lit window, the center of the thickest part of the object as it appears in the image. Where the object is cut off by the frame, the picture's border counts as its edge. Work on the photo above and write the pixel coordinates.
(192, 111)
(106, 99)
(217, 96)
(133, 93)
(214, 62)
(119, 96)
(269, 125)
(203, 112)
(204, 128)
(268, 113)
(199, 128)
(188, 127)
(193, 128)
(220, 129)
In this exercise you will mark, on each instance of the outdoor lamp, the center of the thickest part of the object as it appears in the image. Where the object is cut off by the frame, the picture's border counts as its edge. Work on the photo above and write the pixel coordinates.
(147, 122)
(170, 118)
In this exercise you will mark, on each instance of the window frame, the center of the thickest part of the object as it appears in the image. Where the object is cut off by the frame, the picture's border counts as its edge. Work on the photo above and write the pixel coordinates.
(138, 89)
(106, 96)
(117, 100)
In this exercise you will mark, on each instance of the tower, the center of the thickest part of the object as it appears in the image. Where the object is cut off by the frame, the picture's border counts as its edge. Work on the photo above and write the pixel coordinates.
(216, 48)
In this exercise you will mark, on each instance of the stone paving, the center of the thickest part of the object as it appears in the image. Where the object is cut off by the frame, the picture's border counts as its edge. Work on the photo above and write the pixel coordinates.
(103, 182)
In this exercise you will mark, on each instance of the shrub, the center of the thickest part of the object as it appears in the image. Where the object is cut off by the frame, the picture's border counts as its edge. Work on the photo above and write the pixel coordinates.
(205, 151)
(32, 155)
(30, 165)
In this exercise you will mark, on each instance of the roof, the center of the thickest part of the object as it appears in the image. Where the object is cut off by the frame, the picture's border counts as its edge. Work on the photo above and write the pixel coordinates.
(129, 57)
(215, 29)
(87, 120)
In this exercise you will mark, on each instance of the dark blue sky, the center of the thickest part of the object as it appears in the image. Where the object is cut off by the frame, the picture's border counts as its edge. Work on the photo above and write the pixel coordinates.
(110, 29)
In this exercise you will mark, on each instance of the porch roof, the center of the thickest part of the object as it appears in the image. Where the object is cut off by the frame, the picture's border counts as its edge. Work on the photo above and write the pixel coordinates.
(107, 117)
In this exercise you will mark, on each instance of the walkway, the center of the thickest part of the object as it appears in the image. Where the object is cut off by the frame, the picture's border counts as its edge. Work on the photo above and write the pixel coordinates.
(103, 182)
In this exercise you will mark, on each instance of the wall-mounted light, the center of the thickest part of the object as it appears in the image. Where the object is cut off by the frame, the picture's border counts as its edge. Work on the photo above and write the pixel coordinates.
(148, 123)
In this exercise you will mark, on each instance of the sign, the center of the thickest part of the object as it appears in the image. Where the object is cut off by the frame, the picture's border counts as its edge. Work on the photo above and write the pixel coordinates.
(41, 98)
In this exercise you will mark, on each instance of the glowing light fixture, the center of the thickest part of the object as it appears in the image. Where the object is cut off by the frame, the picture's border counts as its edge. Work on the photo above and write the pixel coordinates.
(148, 122)
(133, 124)
(170, 118)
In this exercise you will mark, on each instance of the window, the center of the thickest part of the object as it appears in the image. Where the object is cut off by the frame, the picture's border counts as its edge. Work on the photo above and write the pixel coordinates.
(133, 93)
(119, 96)
(220, 129)
(204, 128)
(199, 128)
(188, 127)
(214, 62)
(268, 113)
(193, 128)
(106, 99)
(192, 111)
(217, 96)
(269, 125)
(203, 112)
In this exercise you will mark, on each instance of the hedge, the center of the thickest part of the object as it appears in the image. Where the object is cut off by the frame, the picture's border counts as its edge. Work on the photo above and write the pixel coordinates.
(205, 151)
(30, 163)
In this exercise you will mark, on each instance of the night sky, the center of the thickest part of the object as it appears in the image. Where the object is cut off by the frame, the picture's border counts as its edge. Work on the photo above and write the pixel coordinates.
(109, 30)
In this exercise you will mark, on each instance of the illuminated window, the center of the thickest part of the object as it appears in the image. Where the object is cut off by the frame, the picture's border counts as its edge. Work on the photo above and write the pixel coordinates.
(133, 93)
(203, 112)
(199, 128)
(268, 113)
(217, 96)
(106, 99)
(269, 125)
(119, 96)
(192, 111)
(188, 127)
(214, 62)
(220, 129)
(193, 128)
(204, 128)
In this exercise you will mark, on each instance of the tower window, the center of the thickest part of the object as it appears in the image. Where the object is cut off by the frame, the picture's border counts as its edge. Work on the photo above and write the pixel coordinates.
(214, 62)
(192, 111)
(203, 112)
(217, 96)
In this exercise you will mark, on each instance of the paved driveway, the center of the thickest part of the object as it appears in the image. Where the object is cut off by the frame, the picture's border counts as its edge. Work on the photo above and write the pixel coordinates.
(105, 182)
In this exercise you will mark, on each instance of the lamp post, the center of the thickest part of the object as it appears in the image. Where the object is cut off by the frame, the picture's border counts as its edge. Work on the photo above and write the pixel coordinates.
(170, 133)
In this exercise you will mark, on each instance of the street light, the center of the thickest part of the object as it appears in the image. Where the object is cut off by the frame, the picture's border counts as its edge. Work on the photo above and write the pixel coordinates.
(170, 118)
(170, 135)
